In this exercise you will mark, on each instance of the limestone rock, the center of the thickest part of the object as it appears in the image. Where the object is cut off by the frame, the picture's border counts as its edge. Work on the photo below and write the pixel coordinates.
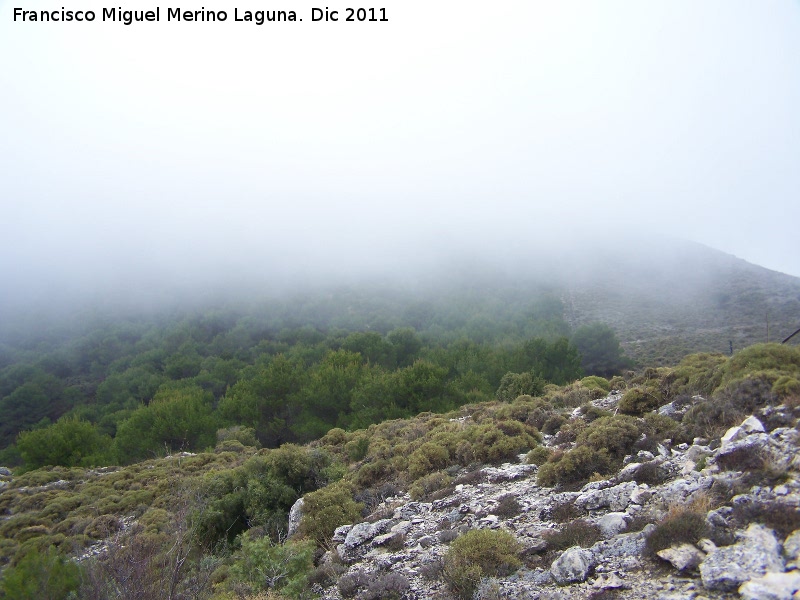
(683, 556)
(359, 534)
(295, 515)
(732, 435)
(340, 533)
(697, 452)
(609, 581)
(387, 539)
(401, 527)
(572, 566)
(355, 542)
(752, 425)
(615, 498)
(729, 567)
(772, 586)
(612, 523)
(791, 548)
(641, 495)
(679, 491)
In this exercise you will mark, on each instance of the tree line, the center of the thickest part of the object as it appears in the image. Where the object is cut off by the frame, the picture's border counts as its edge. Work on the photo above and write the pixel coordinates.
(127, 389)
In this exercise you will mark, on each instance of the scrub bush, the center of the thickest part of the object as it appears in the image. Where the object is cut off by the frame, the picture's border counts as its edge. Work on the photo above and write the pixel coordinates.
(477, 554)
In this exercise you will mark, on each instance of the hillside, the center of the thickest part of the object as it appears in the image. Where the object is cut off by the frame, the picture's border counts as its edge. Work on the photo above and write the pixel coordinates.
(664, 304)
(575, 493)
(293, 365)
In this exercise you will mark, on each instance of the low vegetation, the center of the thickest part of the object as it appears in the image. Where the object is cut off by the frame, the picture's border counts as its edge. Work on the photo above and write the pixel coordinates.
(222, 513)
(477, 554)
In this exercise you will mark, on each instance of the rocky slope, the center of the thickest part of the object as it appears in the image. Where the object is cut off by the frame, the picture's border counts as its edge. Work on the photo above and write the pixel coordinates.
(619, 537)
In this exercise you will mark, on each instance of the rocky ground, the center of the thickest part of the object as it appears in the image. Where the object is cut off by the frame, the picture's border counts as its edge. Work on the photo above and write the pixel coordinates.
(745, 486)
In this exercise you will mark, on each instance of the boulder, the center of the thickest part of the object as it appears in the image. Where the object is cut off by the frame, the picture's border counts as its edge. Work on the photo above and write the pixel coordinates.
(612, 523)
(641, 494)
(615, 498)
(752, 425)
(572, 566)
(791, 549)
(355, 542)
(340, 533)
(679, 491)
(683, 557)
(732, 435)
(772, 586)
(756, 555)
(295, 515)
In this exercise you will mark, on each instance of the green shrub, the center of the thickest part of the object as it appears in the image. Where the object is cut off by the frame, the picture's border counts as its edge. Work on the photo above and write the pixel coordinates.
(429, 483)
(747, 395)
(478, 554)
(709, 419)
(570, 430)
(681, 525)
(616, 435)
(775, 359)
(373, 472)
(553, 424)
(595, 382)
(262, 565)
(498, 442)
(514, 385)
(638, 401)
(575, 533)
(68, 442)
(538, 456)
(40, 575)
(427, 458)
(590, 412)
(659, 426)
(698, 373)
(357, 448)
(230, 446)
(786, 386)
(244, 435)
(328, 508)
(575, 466)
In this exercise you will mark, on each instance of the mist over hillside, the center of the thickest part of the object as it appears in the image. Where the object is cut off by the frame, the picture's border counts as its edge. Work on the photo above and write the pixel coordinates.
(664, 297)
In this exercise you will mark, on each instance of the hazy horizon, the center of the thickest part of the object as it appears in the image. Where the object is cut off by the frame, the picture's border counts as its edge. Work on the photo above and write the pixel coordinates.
(158, 157)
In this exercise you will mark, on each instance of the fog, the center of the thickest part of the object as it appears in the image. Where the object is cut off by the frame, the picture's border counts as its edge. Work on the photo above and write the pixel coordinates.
(139, 162)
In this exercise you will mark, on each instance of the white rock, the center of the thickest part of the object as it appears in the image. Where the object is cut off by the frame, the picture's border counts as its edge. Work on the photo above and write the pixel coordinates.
(615, 498)
(733, 434)
(706, 545)
(340, 533)
(683, 556)
(572, 566)
(752, 425)
(612, 523)
(791, 548)
(729, 567)
(295, 515)
(609, 581)
(772, 586)
(641, 495)
(688, 467)
(401, 527)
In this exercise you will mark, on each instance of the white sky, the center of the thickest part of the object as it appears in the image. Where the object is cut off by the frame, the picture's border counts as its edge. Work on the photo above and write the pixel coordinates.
(181, 148)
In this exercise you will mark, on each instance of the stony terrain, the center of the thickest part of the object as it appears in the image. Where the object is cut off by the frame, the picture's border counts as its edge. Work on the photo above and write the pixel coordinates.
(739, 485)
